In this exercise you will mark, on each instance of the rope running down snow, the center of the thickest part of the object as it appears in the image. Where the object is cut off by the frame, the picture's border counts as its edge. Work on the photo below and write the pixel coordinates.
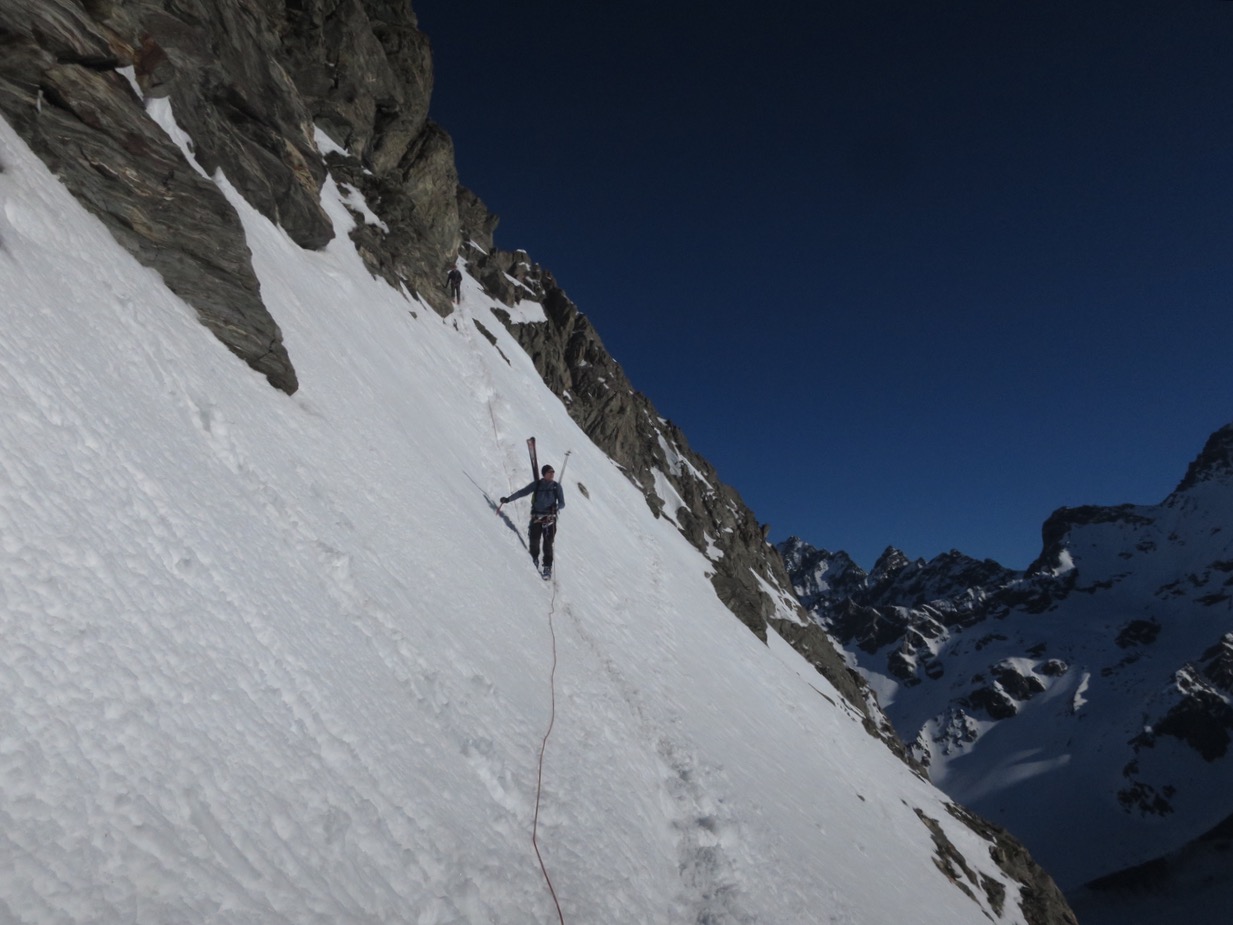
(552, 680)
(552, 718)
(539, 782)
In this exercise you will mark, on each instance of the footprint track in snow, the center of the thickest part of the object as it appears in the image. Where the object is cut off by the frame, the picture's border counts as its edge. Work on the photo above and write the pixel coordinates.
(706, 831)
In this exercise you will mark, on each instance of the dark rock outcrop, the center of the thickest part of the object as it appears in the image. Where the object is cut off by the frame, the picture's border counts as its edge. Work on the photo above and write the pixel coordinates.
(1214, 462)
(1202, 712)
(364, 70)
(250, 83)
(1217, 664)
(60, 89)
(818, 575)
(1042, 902)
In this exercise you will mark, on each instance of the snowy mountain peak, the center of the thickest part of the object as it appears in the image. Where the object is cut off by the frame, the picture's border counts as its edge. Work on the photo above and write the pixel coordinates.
(1217, 663)
(1097, 682)
(889, 564)
(1214, 463)
(818, 573)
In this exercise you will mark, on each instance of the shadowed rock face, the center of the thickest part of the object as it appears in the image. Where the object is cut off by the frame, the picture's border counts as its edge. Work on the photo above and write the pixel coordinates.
(364, 71)
(217, 62)
(248, 81)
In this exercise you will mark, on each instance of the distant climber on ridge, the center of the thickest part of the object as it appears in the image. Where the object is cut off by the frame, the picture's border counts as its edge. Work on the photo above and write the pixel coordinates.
(454, 278)
(548, 499)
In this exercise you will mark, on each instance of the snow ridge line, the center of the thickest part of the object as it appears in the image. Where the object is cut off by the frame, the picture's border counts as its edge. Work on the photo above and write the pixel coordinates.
(539, 778)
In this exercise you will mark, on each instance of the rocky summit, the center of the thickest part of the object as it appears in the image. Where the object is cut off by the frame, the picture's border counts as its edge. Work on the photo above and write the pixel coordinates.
(1085, 703)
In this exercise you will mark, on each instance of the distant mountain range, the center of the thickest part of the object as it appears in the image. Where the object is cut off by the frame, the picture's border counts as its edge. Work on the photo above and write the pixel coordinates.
(1085, 703)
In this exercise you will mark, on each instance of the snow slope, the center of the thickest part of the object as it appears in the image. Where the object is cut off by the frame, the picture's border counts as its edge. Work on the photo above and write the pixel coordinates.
(276, 659)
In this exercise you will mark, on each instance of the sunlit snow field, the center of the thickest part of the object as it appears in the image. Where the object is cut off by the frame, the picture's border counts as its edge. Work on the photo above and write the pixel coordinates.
(277, 659)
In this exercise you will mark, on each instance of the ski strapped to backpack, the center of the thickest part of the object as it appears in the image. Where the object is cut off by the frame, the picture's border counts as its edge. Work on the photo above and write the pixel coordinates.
(537, 480)
(551, 516)
(535, 473)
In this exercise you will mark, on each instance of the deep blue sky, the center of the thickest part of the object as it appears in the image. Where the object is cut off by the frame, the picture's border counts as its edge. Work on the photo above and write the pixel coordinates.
(907, 273)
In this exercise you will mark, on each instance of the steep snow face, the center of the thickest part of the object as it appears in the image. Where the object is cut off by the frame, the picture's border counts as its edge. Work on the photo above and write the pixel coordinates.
(277, 659)
(1086, 705)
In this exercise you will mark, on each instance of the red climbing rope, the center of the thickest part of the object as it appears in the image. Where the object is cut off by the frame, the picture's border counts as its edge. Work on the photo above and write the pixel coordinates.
(539, 783)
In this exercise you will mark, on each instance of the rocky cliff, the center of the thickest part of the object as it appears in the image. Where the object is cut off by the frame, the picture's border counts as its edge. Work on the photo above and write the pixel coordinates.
(251, 83)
